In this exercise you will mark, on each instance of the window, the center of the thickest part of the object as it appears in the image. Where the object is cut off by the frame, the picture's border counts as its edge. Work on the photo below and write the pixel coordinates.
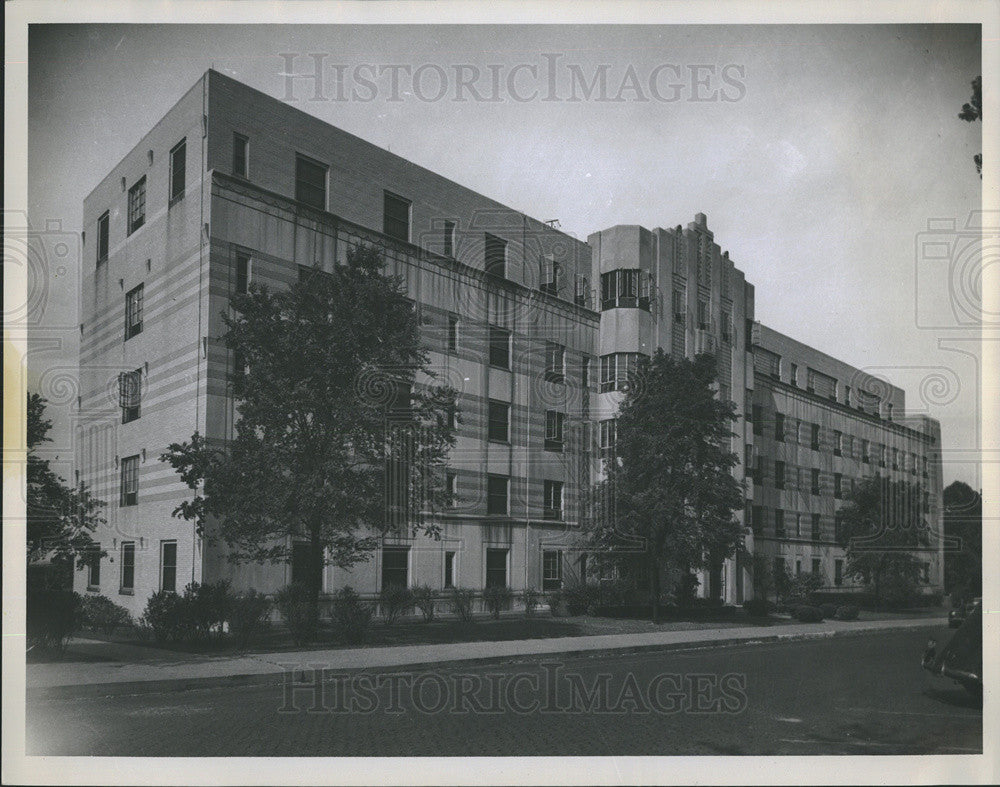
(496, 568)
(838, 572)
(748, 460)
(552, 508)
(889, 411)
(499, 348)
(396, 217)
(495, 256)
(129, 481)
(310, 182)
(779, 522)
(895, 459)
(779, 427)
(793, 374)
(242, 274)
(168, 566)
(703, 320)
(779, 475)
(625, 288)
(798, 567)
(679, 306)
(838, 481)
(94, 566)
(817, 533)
(178, 161)
(779, 567)
(451, 486)
(759, 474)
(555, 362)
(757, 416)
(130, 395)
(103, 225)
(847, 395)
(133, 312)
(816, 566)
(618, 370)
(838, 443)
(449, 239)
(137, 205)
(585, 373)
(395, 564)
(581, 292)
(127, 567)
(549, 281)
(815, 437)
(815, 481)
(496, 495)
(241, 156)
(551, 569)
(798, 525)
(452, 333)
(554, 430)
(765, 361)
(864, 451)
(498, 427)
(925, 572)
(757, 518)
(607, 437)
(449, 569)
(300, 562)
(727, 327)
(881, 455)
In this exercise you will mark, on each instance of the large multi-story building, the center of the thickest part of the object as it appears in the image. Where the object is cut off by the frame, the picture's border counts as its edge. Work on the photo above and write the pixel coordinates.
(535, 329)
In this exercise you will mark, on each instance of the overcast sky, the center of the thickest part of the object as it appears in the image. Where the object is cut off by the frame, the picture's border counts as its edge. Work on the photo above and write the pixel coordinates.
(819, 156)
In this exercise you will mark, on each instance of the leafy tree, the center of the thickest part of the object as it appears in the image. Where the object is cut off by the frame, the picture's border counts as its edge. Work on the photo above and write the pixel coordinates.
(881, 526)
(963, 529)
(340, 436)
(59, 518)
(973, 111)
(763, 575)
(669, 494)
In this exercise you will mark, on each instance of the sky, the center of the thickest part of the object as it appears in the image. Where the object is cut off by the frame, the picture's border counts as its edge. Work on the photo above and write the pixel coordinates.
(818, 153)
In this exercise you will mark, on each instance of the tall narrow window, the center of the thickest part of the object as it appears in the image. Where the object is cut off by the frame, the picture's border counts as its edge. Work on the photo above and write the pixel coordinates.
(395, 565)
(178, 169)
(815, 482)
(779, 427)
(449, 239)
(168, 566)
(554, 430)
(449, 569)
(838, 443)
(816, 566)
(133, 312)
(553, 504)
(779, 522)
(396, 217)
(815, 437)
(495, 256)
(94, 567)
(549, 275)
(703, 318)
(137, 205)
(242, 274)
(496, 495)
(103, 225)
(581, 293)
(499, 348)
(838, 482)
(499, 422)
(310, 182)
(130, 395)
(127, 567)
(552, 574)
(607, 436)
(452, 333)
(555, 362)
(129, 481)
(241, 156)
(779, 475)
(817, 532)
(496, 568)
(585, 372)
(838, 572)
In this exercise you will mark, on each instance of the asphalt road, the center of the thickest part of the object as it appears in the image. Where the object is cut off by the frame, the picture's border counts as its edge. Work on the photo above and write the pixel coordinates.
(845, 695)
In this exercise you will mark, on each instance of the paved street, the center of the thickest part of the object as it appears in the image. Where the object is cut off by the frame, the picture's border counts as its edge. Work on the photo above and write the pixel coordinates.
(861, 694)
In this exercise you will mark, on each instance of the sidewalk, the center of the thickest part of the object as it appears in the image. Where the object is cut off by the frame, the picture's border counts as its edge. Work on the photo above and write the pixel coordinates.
(132, 669)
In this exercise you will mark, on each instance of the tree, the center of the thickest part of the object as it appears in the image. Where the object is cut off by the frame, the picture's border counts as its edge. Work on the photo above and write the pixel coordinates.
(881, 526)
(337, 442)
(763, 575)
(668, 495)
(59, 519)
(963, 530)
(973, 111)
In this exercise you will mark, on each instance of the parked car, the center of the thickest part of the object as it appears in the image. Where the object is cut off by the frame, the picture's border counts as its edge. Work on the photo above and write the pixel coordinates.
(957, 616)
(962, 658)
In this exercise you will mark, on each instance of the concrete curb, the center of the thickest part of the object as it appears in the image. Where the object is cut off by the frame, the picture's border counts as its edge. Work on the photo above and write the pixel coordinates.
(264, 679)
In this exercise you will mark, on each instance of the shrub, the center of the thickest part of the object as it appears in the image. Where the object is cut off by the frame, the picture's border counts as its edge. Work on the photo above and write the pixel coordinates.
(351, 616)
(828, 610)
(461, 603)
(205, 609)
(531, 598)
(557, 603)
(249, 617)
(807, 614)
(292, 602)
(497, 599)
(394, 601)
(99, 613)
(847, 612)
(424, 598)
(578, 598)
(756, 607)
(164, 616)
(52, 617)
(686, 589)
